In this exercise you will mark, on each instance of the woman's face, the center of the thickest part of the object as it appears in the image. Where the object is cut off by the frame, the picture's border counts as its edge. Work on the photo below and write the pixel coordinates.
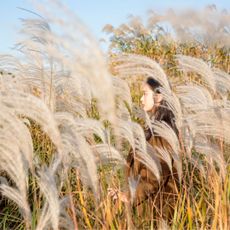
(149, 98)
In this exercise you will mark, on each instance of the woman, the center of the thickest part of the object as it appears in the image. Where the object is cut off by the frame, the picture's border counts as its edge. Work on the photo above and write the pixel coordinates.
(157, 196)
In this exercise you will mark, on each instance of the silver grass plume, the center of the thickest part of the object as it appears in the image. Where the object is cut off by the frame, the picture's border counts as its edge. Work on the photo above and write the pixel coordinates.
(163, 130)
(107, 154)
(194, 98)
(73, 95)
(84, 127)
(45, 48)
(133, 183)
(133, 133)
(208, 26)
(13, 129)
(136, 65)
(198, 66)
(51, 208)
(174, 105)
(165, 156)
(76, 145)
(213, 154)
(212, 122)
(123, 98)
(16, 196)
(222, 80)
(86, 53)
(15, 159)
(30, 106)
(47, 69)
(199, 164)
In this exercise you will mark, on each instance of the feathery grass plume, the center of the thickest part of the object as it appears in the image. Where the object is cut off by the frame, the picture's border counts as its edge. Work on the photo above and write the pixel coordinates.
(12, 79)
(49, 46)
(107, 154)
(122, 111)
(151, 163)
(133, 182)
(163, 130)
(108, 28)
(13, 129)
(40, 68)
(43, 71)
(65, 221)
(212, 122)
(59, 86)
(10, 64)
(187, 135)
(137, 26)
(222, 80)
(194, 98)
(154, 155)
(67, 103)
(165, 156)
(83, 159)
(134, 134)
(14, 160)
(8, 82)
(76, 145)
(12, 164)
(84, 127)
(45, 217)
(86, 53)
(30, 106)
(208, 26)
(174, 105)
(51, 208)
(16, 196)
(212, 153)
(122, 91)
(89, 127)
(73, 95)
(198, 163)
(142, 115)
(225, 120)
(191, 64)
(136, 65)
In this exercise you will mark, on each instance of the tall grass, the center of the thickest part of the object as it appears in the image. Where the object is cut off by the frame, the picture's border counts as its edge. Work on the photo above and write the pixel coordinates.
(67, 125)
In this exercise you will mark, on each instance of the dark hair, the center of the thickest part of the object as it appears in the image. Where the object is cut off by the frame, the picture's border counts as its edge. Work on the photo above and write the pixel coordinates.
(154, 84)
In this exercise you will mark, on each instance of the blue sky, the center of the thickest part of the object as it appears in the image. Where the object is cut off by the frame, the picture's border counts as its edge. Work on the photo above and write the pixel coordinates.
(95, 14)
